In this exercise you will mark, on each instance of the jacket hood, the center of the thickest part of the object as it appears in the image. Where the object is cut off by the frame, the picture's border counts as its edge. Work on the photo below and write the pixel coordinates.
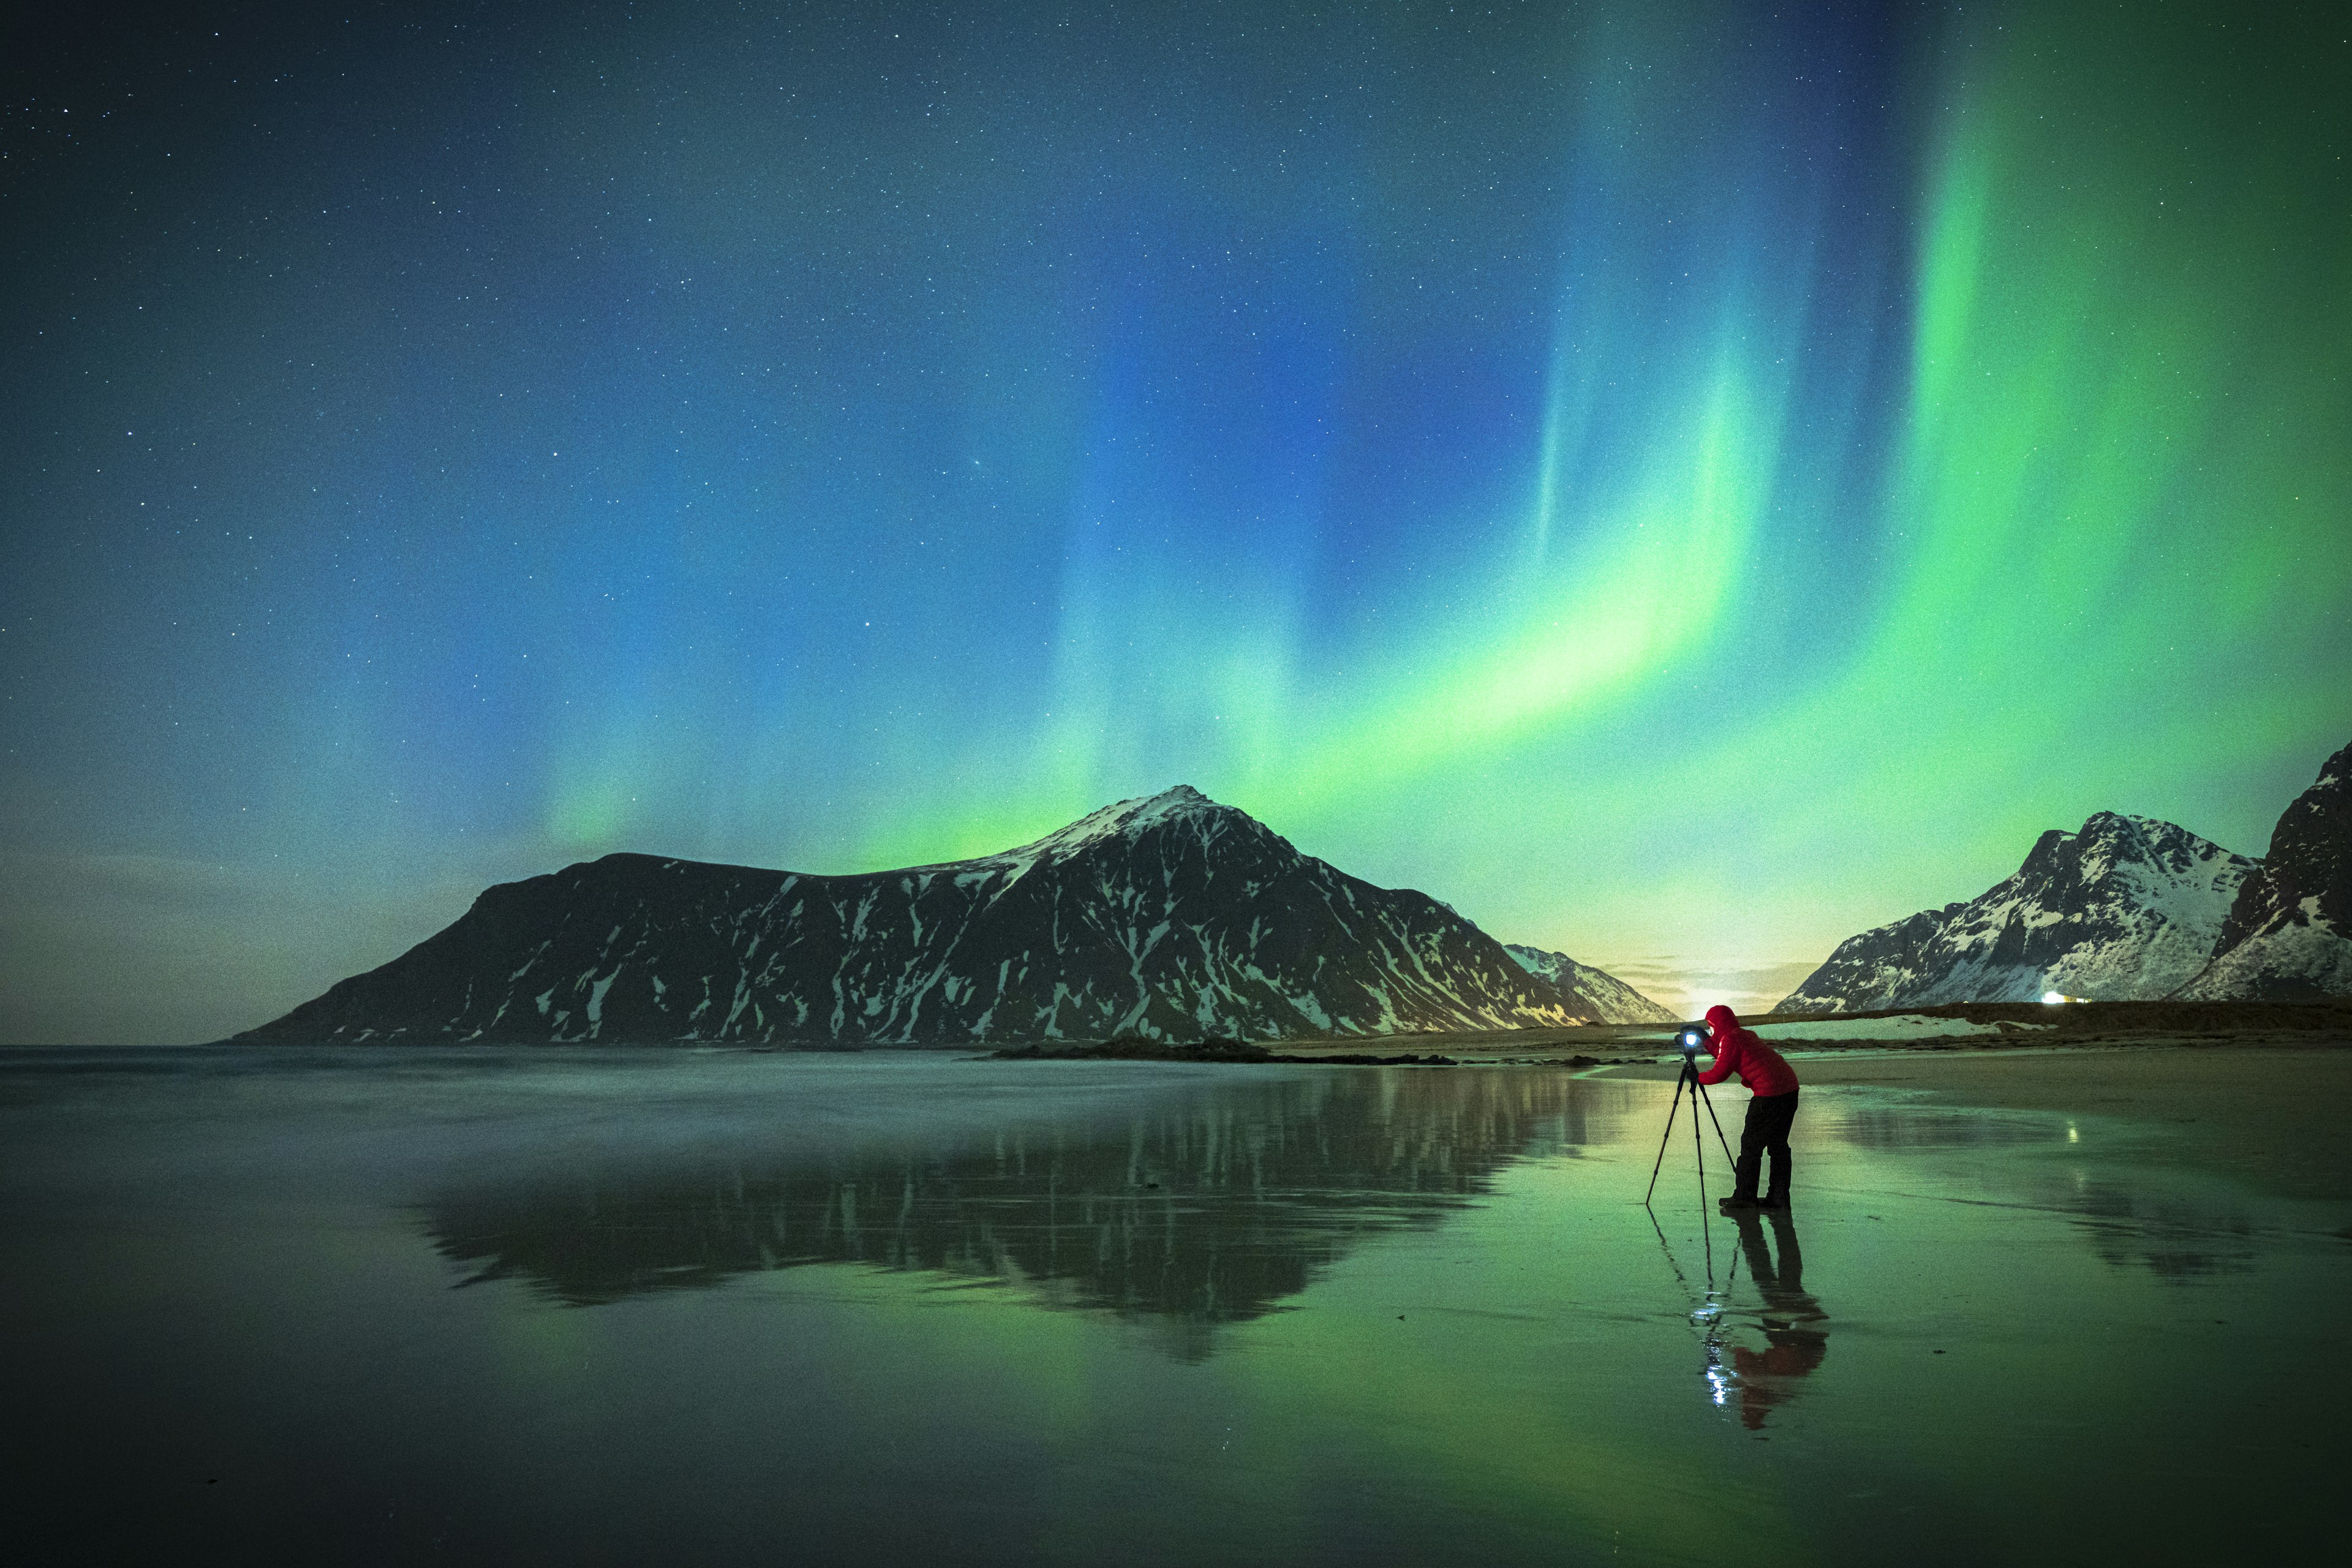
(1722, 1020)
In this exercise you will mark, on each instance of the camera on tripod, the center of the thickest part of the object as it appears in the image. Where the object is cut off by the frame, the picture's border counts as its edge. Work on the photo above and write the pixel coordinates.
(1690, 1041)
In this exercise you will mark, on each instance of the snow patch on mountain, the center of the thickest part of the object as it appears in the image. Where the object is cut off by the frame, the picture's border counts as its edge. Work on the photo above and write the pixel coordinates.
(2285, 937)
(2290, 960)
(1903, 1026)
(1122, 819)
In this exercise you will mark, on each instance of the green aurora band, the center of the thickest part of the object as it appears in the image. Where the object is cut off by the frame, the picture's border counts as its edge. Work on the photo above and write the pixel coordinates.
(2116, 560)
(1682, 485)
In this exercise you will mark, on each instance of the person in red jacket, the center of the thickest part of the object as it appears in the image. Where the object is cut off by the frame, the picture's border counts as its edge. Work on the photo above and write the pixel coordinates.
(1773, 1083)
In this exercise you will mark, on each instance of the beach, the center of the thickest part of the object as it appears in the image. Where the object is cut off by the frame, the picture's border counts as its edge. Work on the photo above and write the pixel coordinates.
(586, 1306)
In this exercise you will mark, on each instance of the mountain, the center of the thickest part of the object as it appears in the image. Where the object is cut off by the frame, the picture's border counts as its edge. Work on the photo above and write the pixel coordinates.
(1608, 999)
(2126, 908)
(2286, 936)
(1172, 917)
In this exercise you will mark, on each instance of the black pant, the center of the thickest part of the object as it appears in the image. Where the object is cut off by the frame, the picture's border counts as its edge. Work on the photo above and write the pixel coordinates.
(1768, 1119)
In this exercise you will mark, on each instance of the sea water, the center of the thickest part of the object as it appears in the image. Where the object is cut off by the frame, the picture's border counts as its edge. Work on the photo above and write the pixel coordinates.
(622, 1306)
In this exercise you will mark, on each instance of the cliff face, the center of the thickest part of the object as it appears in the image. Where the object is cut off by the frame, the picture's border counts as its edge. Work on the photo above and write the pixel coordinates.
(2289, 933)
(1172, 917)
(2126, 908)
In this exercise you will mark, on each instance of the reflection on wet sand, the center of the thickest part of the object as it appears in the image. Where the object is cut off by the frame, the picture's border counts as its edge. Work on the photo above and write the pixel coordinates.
(1907, 1126)
(1215, 1209)
(2175, 1233)
(1795, 1327)
(2174, 1237)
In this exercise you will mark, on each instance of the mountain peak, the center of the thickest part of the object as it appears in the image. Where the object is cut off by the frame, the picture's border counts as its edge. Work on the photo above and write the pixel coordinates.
(1124, 819)
(2149, 829)
(1176, 800)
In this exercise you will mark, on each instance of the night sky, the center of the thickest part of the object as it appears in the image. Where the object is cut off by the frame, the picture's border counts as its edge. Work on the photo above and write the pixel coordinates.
(1681, 483)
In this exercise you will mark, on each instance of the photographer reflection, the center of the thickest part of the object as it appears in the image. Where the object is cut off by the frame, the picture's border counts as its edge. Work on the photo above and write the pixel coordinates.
(1795, 1327)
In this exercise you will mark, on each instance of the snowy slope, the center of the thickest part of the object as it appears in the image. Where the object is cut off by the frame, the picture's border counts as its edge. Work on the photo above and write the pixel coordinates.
(1903, 1026)
(1172, 917)
(2128, 908)
(2289, 935)
(1609, 999)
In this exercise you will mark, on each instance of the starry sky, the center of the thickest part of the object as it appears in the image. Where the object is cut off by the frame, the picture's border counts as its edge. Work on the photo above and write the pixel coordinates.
(1681, 483)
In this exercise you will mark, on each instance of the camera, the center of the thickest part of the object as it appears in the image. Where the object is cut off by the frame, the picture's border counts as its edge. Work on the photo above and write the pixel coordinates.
(1692, 1041)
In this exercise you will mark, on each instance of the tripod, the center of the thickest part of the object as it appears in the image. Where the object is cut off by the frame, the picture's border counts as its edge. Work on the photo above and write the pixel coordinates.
(1699, 1097)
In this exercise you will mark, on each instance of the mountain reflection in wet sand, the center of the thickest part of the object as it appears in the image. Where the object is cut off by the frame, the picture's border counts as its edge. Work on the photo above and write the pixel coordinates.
(1207, 1210)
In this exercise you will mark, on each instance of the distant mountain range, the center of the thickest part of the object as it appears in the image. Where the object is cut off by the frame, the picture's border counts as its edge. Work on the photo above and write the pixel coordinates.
(2126, 908)
(1172, 918)
(1609, 999)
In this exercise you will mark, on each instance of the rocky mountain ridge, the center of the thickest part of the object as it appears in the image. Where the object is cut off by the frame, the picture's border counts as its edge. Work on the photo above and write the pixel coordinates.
(2289, 933)
(1610, 999)
(2127, 908)
(1168, 917)
(2124, 908)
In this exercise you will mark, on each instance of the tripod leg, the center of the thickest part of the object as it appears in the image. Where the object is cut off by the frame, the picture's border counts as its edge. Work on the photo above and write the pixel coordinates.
(1699, 1152)
(1659, 1163)
(1718, 1126)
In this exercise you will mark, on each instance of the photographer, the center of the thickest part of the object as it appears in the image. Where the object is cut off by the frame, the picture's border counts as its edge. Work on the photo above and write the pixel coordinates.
(1773, 1083)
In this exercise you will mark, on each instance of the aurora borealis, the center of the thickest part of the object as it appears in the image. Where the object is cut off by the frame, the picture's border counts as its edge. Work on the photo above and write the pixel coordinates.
(1680, 484)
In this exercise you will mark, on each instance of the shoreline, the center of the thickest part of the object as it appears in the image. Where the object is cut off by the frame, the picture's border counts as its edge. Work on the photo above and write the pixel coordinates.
(2269, 1114)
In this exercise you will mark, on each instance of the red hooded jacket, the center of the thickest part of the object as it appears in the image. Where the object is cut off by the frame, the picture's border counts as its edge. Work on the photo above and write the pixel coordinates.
(1737, 1050)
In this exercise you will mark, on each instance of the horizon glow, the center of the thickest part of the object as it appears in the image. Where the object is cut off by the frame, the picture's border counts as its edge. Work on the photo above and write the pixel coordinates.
(1680, 490)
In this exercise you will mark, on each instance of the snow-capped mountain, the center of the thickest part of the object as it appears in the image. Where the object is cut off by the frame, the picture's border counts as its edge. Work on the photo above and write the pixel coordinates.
(1172, 917)
(2289, 934)
(2126, 908)
(1609, 999)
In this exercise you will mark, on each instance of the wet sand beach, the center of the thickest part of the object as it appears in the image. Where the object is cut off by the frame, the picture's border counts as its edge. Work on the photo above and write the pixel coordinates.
(2258, 1091)
(617, 1306)
(2277, 1115)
